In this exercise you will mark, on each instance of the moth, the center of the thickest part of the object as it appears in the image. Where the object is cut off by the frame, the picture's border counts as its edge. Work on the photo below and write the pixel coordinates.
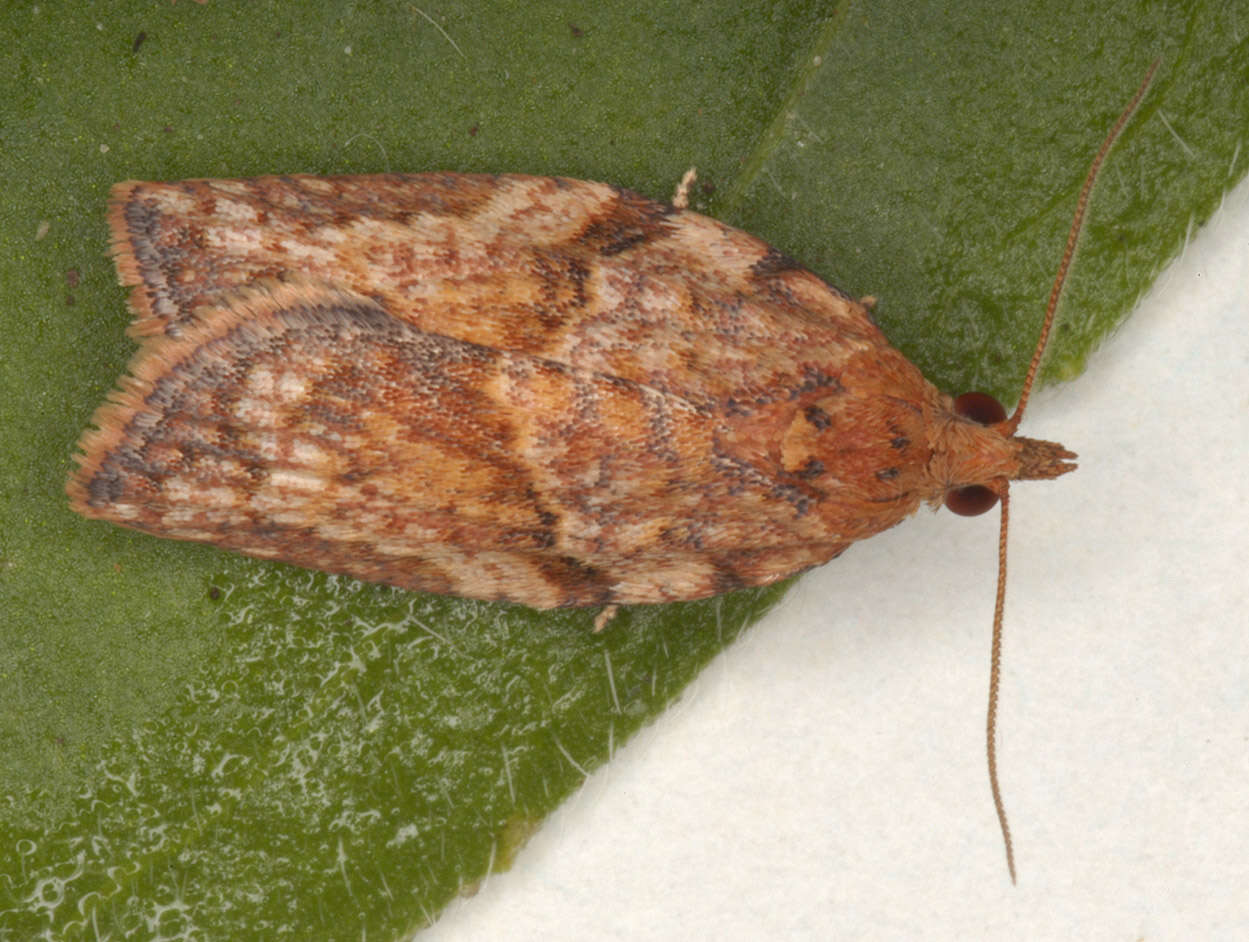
(522, 389)
(525, 389)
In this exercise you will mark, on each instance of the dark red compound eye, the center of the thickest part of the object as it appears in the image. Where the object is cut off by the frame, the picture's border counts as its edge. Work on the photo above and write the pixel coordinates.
(975, 499)
(980, 407)
(970, 501)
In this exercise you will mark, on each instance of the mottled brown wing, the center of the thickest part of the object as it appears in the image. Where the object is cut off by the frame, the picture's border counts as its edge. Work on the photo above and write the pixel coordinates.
(529, 389)
(580, 273)
(306, 424)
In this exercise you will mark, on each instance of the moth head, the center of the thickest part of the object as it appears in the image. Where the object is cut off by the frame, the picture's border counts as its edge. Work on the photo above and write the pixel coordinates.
(990, 455)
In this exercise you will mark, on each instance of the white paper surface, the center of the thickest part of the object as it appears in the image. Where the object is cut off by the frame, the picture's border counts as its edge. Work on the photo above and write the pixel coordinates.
(825, 777)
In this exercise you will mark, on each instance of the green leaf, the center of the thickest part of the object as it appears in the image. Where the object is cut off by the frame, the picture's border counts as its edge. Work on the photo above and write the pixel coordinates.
(194, 742)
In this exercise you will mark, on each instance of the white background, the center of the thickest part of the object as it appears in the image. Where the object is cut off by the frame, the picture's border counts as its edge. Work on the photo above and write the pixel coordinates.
(826, 776)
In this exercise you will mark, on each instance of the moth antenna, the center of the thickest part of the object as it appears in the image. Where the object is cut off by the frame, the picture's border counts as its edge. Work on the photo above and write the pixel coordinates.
(1073, 236)
(1011, 424)
(995, 683)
